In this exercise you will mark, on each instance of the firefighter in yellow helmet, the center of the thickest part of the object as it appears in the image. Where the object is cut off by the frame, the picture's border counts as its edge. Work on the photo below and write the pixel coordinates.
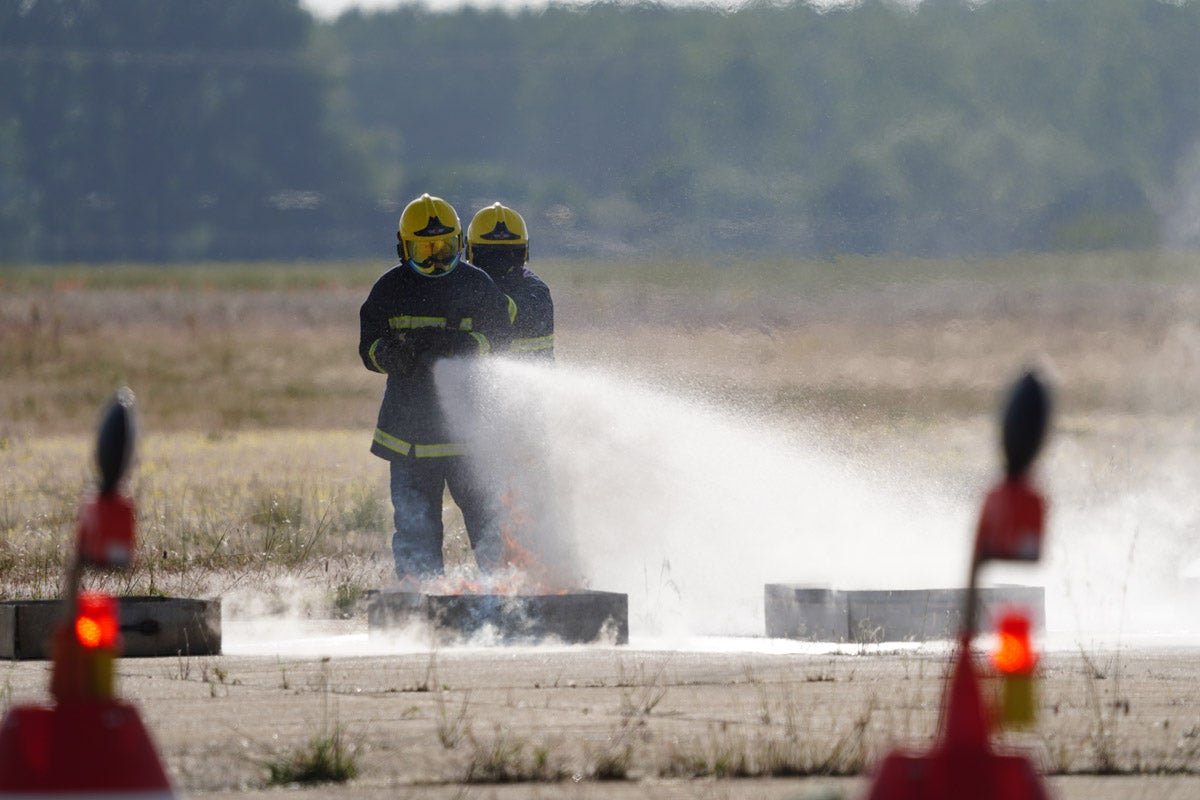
(432, 305)
(498, 243)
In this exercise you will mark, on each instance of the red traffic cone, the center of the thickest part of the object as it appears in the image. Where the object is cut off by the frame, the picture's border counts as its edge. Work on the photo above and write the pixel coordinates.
(79, 747)
(961, 764)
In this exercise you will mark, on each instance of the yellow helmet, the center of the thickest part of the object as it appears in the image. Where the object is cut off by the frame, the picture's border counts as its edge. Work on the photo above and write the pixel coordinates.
(429, 236)
(497, 239)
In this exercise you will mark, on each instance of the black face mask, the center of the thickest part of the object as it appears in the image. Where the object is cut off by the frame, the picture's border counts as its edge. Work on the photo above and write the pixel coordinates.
(498, 260)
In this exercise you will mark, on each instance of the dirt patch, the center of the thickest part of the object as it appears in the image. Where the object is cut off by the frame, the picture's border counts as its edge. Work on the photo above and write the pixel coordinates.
(453, 723)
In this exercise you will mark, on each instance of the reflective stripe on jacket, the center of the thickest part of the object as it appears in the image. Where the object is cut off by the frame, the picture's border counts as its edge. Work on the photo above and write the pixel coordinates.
(531, 311)
(464, 300)
(400, 447)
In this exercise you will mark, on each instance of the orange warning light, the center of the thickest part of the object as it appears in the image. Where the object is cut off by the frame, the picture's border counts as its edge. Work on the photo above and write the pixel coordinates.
(85, 649)
(1015, 660)
(1014, 654)
(96, 621)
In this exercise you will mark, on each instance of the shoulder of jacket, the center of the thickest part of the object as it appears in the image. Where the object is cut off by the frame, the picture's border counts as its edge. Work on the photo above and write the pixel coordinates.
(478, 276)
(393, 273)
(470, 269)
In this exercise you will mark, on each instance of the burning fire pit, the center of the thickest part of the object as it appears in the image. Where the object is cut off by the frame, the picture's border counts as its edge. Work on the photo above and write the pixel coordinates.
(569, 617)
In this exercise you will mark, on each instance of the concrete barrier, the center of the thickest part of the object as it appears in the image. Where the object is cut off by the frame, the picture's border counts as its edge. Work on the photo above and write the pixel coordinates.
(573, 617)
(887, 615)
(150, 626)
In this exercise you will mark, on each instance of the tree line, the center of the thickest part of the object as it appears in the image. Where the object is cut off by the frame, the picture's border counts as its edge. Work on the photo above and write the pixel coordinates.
(217, 129)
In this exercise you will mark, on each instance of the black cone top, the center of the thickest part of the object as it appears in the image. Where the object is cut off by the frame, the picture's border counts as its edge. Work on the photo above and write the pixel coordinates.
(114, 443)
(1026, 417)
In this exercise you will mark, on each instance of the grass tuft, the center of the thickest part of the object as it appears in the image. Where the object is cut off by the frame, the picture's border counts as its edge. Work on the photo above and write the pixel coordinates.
(326, 759)
(508, 759)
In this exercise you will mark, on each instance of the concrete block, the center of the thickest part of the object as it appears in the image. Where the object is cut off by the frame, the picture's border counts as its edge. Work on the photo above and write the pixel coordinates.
(573, 617)
(812, 614)
(888, 615)
(906, 615)
(150, 626)
(993, 599)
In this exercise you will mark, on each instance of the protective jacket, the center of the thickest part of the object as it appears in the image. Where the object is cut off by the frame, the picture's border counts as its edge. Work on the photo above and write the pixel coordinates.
(469, 312)
(531, 311)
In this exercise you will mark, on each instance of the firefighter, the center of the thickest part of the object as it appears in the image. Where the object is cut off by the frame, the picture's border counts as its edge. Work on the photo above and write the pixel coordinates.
(432, 305)
(498, 243)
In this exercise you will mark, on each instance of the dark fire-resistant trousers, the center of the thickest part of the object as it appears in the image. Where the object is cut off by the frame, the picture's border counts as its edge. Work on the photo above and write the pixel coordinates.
(417, 485)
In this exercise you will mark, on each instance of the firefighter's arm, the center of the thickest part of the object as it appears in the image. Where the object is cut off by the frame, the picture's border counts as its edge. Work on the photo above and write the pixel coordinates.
(499, 321)
(533, 301)
(370, 338)
(491, 328)
(534, 318)
(381, 349)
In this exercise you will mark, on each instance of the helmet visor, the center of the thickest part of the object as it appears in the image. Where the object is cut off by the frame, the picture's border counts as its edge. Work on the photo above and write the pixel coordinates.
(434, 255)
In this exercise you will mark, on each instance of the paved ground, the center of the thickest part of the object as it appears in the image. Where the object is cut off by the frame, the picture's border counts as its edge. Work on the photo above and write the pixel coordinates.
(518, 723)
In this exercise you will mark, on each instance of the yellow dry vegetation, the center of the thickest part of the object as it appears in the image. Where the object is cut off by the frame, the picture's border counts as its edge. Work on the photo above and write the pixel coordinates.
(256, 413)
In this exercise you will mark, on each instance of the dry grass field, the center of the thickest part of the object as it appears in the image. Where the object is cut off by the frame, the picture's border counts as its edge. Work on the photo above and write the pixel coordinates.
(254, 483)
(255, 412)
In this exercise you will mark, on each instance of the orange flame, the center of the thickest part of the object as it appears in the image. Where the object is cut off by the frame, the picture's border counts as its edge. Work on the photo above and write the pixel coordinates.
(535, 573)
(523, 572)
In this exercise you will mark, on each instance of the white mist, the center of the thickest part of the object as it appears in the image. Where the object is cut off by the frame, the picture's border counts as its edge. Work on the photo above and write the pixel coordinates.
(691, 510)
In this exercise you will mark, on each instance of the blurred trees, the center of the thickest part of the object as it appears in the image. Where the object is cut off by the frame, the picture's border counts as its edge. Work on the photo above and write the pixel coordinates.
(150, 130)
(951, 126)
(141, 129)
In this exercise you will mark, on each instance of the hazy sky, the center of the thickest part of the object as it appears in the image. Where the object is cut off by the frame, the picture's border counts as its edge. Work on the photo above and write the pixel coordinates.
(328, 9)
(331, 8)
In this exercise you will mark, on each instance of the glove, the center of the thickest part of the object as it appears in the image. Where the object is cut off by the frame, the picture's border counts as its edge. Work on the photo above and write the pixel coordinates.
(462, 343)
(395, 353)
(401, 352)
(447, 344)
(432, 344)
